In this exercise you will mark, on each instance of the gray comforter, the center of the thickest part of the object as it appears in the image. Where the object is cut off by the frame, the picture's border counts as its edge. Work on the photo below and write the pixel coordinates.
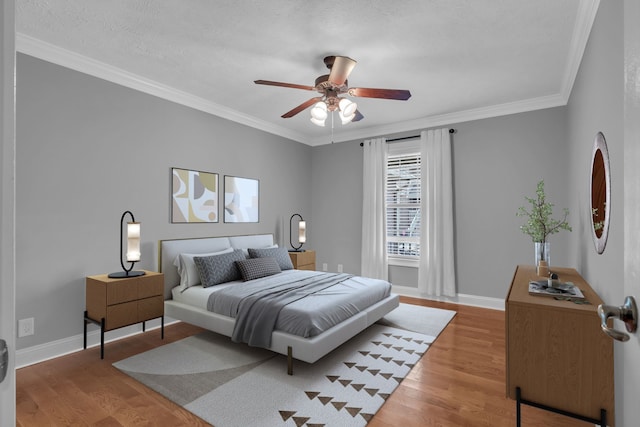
(256, 306)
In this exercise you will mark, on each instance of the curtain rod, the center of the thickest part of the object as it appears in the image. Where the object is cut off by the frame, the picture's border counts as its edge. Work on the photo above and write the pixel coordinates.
(406, 137)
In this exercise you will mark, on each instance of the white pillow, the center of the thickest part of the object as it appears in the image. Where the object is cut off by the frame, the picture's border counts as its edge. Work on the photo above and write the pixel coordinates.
(187, 269)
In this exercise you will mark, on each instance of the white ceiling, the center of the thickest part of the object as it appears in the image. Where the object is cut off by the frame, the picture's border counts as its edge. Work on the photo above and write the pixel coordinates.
(461, 59)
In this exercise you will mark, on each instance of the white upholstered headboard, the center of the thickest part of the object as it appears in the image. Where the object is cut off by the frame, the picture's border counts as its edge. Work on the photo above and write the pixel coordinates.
(168, 250)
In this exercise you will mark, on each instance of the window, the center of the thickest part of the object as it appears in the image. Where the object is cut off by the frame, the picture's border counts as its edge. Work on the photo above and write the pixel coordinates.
(403, 206)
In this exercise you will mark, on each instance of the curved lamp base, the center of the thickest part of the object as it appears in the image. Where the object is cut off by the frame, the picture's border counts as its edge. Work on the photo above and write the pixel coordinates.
(125, 274)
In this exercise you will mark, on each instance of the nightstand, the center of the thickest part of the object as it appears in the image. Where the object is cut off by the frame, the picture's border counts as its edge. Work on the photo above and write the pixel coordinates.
(115, 303)
(303, 260)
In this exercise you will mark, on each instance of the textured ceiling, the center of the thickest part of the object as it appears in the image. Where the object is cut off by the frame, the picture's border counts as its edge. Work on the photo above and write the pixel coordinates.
(461, 59)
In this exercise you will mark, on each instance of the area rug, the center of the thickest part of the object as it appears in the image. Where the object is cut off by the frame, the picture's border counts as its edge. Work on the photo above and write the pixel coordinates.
(230, 385)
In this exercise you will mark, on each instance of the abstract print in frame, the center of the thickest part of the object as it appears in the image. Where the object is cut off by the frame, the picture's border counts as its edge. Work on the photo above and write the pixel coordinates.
(194, 196)
(241, 199)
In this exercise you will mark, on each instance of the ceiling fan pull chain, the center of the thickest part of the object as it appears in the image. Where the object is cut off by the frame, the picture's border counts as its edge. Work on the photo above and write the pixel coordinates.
(332, 127)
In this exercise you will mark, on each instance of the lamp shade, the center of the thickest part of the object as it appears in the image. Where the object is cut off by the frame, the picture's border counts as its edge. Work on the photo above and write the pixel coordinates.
(317, 122)
(345, 119)
(133, 248)
(133, 241)
(302, 231)
(319, 111)
(347, 107)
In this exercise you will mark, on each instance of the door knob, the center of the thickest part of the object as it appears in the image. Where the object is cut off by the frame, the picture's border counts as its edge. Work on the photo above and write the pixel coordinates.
(628, 313)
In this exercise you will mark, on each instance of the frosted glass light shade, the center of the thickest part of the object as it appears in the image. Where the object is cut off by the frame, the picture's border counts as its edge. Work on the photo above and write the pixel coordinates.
(319, 111)
(317, 122)
(345, 119)
(133, 241)
(302, 231)
(347, 107)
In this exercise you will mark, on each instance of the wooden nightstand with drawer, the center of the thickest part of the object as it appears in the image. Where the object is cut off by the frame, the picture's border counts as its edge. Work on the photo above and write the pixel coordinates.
(115, 303)
(303, 260)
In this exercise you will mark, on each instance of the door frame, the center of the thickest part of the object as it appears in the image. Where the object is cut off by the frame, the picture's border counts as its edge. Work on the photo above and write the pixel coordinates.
(628, 366)
(7, 206)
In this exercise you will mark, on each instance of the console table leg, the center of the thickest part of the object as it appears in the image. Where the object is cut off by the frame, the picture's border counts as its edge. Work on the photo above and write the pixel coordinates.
(162, 327)
(518, 399)
(85, 330)
(143, 326)
(102, 326)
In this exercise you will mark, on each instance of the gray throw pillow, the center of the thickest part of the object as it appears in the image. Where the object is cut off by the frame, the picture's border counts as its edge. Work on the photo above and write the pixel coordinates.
(216, 269)
(255, 268)
(281, 255)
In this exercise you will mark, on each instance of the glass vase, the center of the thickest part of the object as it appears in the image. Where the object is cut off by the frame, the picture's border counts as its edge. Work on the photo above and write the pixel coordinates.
(542, 252)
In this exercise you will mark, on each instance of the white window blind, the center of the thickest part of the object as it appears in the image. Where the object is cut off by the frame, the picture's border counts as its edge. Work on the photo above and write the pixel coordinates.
(403, 206)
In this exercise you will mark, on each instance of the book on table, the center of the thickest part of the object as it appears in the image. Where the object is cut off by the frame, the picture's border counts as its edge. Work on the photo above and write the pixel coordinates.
(563, 290)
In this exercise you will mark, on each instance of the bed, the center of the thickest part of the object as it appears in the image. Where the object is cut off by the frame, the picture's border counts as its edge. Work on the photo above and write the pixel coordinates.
(188, 303)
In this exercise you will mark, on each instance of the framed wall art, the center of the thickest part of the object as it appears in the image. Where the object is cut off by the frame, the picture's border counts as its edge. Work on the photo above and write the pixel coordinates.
(241, 199)
(194, 196)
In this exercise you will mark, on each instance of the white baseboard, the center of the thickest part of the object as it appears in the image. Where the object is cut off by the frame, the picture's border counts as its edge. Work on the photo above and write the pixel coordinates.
(464, 299)
(42, 352)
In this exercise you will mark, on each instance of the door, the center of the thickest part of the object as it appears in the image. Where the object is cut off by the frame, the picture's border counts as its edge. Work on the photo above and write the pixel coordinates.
(628, 370)
(7, 207)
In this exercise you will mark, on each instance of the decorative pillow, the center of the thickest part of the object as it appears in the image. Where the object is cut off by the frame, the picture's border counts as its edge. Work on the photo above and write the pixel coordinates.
(255, 268)
(218, 269)
(187, 268)
(280, 254)
(246, 251)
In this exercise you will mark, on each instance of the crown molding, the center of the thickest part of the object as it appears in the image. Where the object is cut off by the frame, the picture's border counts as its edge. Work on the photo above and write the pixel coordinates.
(450, 118)
(587, 11)
(584, 21)
(68, 59)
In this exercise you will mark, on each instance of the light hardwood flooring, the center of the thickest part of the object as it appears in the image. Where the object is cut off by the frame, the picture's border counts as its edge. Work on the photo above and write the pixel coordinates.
(459, 382)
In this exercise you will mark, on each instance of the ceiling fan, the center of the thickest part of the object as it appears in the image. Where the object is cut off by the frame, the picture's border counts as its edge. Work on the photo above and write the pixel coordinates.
(330, 86)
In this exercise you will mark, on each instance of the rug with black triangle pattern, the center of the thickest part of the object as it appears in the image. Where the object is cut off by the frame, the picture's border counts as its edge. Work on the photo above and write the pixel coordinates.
(232, 385)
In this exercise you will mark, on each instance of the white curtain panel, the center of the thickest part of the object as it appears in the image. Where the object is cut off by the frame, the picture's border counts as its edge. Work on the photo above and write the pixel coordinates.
(436, 275)
(374, 215)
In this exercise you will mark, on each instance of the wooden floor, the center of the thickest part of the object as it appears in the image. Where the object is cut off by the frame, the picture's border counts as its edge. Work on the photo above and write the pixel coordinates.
(459, 382)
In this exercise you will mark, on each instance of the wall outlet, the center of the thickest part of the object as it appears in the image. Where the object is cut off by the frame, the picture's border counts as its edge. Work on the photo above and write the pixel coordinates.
(25, 327)
(339, 268)
(325, 267)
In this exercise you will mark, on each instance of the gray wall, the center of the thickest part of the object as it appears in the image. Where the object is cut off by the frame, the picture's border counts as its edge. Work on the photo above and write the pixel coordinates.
(87, 150)
(496, 163)
(597, 105)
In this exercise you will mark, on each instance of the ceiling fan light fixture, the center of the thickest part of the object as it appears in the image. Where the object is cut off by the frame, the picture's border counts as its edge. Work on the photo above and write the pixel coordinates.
(317, 122)
(345, 119)
(319, 111)
(347, 107)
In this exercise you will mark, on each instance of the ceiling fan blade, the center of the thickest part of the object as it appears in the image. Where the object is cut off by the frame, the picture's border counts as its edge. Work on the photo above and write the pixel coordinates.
(301, 107)
(341, 69)
(398, 94)
(291, 85)
(358, 116)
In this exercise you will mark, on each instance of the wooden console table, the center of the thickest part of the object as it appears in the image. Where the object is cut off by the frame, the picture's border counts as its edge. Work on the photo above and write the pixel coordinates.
(558, 358)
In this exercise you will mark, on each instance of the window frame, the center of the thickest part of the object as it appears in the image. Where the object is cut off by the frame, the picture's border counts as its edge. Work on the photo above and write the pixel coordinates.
(409, 147)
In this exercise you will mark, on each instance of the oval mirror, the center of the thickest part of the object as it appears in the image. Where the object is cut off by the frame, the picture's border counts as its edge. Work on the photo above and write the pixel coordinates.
(600, 193)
